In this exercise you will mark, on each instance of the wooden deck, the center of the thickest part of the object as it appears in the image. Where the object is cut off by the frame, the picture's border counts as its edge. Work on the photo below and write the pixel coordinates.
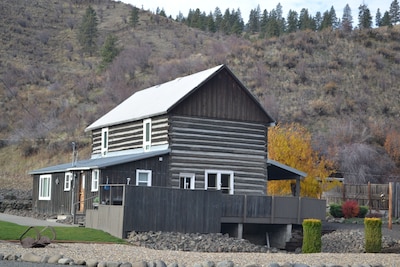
(196, 211)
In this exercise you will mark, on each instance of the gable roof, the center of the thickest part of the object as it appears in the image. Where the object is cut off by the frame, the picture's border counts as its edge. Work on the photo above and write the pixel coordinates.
(99, 163)
(160, 99)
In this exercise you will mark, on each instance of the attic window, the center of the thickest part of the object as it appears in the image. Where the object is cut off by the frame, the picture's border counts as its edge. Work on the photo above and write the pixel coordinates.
(147, 135)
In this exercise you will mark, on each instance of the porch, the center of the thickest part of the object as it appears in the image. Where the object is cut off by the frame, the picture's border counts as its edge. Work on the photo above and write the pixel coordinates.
(126, 208)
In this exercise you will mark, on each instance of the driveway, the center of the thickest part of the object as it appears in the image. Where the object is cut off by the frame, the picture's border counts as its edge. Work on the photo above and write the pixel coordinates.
(28, 221)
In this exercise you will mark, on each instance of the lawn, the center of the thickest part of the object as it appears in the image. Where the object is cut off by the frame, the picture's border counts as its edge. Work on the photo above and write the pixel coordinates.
(11, 231)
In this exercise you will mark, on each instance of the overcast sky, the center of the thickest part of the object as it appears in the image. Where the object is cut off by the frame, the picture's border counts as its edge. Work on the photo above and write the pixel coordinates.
(173, 7)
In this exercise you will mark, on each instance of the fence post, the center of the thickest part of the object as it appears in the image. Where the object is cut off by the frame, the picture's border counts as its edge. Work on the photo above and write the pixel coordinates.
(369, 197)
(390, 206)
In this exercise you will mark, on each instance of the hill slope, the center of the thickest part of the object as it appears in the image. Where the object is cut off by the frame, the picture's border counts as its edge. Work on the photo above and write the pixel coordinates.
(343, 87)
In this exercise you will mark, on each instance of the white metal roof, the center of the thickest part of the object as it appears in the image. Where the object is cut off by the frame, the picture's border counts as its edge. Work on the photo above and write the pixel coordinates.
(153, 101)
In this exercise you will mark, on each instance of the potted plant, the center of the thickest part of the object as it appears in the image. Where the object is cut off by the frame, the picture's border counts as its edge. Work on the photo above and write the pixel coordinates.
(96, 202)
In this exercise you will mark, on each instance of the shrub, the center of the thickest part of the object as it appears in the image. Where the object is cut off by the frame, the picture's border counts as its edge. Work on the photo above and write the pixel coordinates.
(363, 211)
(350, 209)
(373, 235)
(312, 229)
(336, 210)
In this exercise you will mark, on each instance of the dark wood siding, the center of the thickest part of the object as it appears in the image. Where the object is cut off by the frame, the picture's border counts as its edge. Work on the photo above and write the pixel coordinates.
(172, 210)
(60, 202)
(199, 144)
(130, 135)
(224, 98)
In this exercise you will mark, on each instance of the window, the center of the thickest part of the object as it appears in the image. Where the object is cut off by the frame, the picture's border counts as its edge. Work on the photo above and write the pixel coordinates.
(67, 181)
(143, 177)
(95, 180)
(104, 141)
(219, 180)
(45, 187)
(147, 134)
(186, 181)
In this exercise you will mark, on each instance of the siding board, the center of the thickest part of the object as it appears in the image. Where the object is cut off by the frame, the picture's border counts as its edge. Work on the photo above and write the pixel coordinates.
(199, 144)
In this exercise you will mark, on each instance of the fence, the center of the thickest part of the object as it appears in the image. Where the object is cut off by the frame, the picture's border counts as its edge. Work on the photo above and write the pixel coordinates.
(374, 196)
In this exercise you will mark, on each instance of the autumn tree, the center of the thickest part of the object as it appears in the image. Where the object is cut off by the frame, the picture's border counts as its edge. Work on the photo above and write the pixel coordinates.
(291, 145)
(392, 146)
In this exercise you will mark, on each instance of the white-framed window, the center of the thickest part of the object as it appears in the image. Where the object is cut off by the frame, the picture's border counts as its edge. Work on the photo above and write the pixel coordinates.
(186, 180)
(219, 180)
(143, 177)
(95, 180)
(45, 187)
(104, 141)
(147, 134)
(67, 181)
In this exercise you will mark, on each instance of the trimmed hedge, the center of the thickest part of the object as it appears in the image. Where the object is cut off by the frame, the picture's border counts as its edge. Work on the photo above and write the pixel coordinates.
(336, 210)
(312, 231)
(373, 235)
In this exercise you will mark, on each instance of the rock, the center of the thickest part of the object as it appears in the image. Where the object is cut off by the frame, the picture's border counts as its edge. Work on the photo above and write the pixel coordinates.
(31, 257)
(113, 264)
(54, 259)
(80, 262)
(126, 264)
(139, 264)
(225, 264)
(102, 264)
(274, 264)
(252, 265)
(91, 263)
(65, 261)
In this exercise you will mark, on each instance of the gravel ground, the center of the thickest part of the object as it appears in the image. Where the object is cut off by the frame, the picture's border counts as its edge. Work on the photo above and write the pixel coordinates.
(132, 254)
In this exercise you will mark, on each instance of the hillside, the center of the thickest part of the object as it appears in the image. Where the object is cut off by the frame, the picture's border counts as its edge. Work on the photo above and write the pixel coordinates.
(343, 87)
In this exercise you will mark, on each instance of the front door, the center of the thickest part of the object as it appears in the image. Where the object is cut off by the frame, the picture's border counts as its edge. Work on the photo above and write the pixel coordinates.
(81, 192)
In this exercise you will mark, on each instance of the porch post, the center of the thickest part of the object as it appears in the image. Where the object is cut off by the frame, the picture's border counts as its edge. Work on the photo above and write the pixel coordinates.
(240, 230)
(297, 194)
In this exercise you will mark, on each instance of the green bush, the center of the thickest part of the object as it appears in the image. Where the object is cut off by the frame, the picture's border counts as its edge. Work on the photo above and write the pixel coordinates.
(363, 211)
(312, 229)
(336, 210)
(373, 235)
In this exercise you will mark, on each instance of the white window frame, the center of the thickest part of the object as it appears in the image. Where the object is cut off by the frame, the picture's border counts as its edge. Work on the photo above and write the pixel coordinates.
(67, 181)
(191, 177)
(45, 187)
(104, 141)
(95, 180)
(148, 172)
(146, 133)
(218, 173)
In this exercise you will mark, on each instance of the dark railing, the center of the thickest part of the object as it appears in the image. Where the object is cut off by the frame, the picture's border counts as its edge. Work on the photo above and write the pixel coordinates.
(167, 209)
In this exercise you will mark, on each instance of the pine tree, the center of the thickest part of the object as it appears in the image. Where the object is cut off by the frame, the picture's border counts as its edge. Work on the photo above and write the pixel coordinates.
(394, 12)
(378, 18)
(364, 17)
(292, 21)
(218, 18)
(109, 51)
(347, 19)
(386, 20)
(87, 34)
(134, 17)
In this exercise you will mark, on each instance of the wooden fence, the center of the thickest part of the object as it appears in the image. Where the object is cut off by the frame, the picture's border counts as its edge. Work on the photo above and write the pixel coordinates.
(374, 196)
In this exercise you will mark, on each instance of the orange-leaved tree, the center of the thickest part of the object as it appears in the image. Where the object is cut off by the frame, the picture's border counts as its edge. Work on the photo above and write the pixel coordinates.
(291, 145)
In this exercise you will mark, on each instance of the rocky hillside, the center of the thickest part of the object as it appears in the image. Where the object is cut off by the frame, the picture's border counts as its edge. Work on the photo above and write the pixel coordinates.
(344, 87)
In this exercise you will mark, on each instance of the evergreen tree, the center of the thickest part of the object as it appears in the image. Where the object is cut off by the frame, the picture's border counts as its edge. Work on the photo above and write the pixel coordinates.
(334, 20)
(347, 19)
(218, 18)
(378, 18)
(87, 34)
(211, 27)
(254, 20)
(394, 12)
(306, 22)
(326, 22)
(386, 21)
(364, 17)
(109, 51)
(264, 23)
(318, 21)
(292, 21)
(134, 17)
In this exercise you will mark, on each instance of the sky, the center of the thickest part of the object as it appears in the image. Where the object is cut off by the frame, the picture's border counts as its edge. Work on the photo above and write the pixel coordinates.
(173, 7)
